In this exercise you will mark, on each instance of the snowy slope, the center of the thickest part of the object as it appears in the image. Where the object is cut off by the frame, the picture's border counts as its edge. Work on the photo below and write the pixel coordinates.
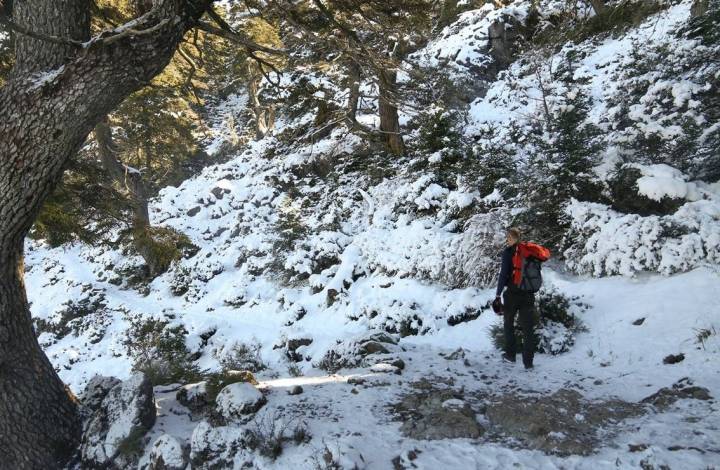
(291, 250)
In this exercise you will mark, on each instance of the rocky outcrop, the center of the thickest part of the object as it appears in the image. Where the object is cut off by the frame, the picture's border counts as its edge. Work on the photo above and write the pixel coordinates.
(113, 436)
(436, 412)
(562, 423)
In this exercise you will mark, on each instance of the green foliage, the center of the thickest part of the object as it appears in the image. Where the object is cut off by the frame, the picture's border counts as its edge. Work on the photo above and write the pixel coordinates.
(559, 171)
(625, 198)
(614, 19)
(243, 356)
(159, 350)
(160, 246)
(84, 207)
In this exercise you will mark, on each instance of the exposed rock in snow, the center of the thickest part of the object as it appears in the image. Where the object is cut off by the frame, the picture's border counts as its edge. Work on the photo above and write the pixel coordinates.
(216, 447)
(436, 412)
(683, 389)
(194, 396)
(551, 423)
(126, 413)
(238, 400)
(96, 390)
(168, 453)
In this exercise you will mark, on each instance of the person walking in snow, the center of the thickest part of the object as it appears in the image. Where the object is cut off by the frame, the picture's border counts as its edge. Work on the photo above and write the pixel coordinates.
(519, 278)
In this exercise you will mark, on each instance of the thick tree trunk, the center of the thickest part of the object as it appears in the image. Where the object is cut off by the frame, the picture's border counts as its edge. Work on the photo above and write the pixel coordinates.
(46, 118)
(389, 120)
(38, 419)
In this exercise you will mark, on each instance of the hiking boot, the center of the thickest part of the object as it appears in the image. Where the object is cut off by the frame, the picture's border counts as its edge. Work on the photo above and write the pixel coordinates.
(507, 358)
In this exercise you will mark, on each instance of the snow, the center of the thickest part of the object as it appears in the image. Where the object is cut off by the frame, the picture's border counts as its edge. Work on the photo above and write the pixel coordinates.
(659, 181)
(288, 254)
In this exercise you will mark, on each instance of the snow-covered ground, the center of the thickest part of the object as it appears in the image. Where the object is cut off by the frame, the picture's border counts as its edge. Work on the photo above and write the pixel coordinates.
(287, 252)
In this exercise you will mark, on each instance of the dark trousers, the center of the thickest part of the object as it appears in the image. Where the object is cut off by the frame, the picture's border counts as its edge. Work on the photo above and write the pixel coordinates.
(523, 302)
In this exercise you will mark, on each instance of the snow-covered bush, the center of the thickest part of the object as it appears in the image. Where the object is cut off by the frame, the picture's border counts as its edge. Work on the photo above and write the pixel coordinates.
(158, 349)
(602, 241)
(556, 323)
(241, 356)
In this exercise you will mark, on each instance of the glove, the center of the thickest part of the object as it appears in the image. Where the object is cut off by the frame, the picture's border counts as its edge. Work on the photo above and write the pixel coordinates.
(497, 306)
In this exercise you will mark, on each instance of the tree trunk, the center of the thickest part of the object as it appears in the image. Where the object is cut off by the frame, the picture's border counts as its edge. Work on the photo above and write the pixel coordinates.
(354, 96)
(46, 119)
(126, 177)
(264, 115)
(598, 6)
(389, 121)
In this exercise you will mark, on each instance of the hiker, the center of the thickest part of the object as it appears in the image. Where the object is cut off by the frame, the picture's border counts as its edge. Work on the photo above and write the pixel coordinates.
(520, 274)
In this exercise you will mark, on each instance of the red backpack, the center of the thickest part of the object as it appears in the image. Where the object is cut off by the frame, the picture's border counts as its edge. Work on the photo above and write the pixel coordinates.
(527, 264)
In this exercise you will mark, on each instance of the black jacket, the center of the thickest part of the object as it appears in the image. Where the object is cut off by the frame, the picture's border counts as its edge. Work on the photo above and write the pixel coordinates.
(506, 269)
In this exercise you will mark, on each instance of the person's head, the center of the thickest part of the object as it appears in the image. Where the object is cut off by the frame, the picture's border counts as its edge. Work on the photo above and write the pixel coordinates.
(513, 236)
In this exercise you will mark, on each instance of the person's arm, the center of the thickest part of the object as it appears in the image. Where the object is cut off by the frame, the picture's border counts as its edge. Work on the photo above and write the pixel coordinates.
(505, 269)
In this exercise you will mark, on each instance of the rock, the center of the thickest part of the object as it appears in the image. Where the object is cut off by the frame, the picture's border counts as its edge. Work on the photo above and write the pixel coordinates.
(217, 447)
(293, 344)
(674, 358)
(385, 368)
(356, 381)
(115, 431)
(437, 413)
(219, 192)
(168, 453)
(372, 347)
(238, 400)
(639, 321)
(194, 396)
(562, 423)
(295, 390)
(682, 389)
(96, 390)
(194, 211)
(459, 353)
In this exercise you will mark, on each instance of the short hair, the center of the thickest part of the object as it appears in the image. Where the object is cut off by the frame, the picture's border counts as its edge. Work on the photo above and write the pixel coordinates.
(515, 233)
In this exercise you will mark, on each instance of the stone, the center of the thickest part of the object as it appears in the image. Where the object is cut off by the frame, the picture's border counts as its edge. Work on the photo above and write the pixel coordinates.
(372, 347)
(674, 358)
(117, 427)
(238, 400)
(96, 390)
(194, 211)
(219, 192)
(194, 396)
(682, 389)
(639, 321)
(168, 453)
(295, 390)
(437, 413)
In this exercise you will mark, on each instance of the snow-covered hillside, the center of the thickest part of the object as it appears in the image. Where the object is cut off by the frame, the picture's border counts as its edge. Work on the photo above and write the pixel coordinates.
(303, 255)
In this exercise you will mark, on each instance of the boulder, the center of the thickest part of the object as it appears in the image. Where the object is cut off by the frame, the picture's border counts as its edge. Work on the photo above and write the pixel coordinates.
(168, 453)
(114, 433)
(238, 400)
(96, 390)
(217, 447)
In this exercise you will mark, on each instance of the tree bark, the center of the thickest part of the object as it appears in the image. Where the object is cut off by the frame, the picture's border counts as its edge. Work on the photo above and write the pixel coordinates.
(389, 120)
(354, 85)
(126, 177)
(46, 118)
(264, 115)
